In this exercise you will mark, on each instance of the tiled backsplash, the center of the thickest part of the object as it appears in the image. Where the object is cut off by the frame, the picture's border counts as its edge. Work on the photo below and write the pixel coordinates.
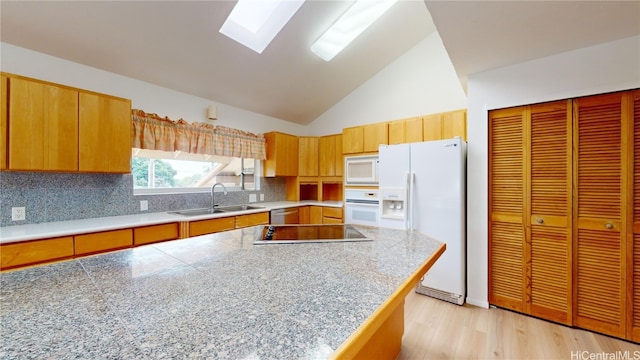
(65, 196)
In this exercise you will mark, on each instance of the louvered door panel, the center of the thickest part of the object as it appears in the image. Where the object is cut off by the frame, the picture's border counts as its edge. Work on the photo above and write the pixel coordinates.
(634, 332)
(506, 196)
(599, 257)
(550, 207)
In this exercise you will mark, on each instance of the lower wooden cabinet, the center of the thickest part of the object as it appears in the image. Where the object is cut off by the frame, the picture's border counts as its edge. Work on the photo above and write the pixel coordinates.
(102, 241)
(315, 214)
(209, 226)
(304, 214)
(252, 219)
(34, 252)
(331, 215)
(155, 233)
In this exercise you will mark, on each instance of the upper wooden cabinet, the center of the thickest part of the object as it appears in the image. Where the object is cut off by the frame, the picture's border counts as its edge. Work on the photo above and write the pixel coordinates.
(353, 140)
(58, 128)
(308, 156)
(330, 148)
(105, 133)
(445, 125)
(375, 135)
(282, 155)
(4, 97)
(43, 126)
(405, 131)
(364, 139)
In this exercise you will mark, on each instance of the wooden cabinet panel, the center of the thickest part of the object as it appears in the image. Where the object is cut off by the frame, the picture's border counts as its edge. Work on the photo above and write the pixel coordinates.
(43, 126)
(33, 252)
(332, 212)
(4, 98)
(330, 220)
(304, 215)
(599, 246)
(210, 226)
(454, 123)
(103, 241)
(432, 127)
(353, 140)
(282, 155)
(374, 135)
(507, 272)
(633, 231)
(155, 233)
(252, 219)
(331, 160)
(315, 215)
(405, 131)
(308, 156)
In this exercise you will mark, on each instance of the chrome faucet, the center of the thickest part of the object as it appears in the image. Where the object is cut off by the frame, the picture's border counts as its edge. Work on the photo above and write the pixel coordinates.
(213, 204)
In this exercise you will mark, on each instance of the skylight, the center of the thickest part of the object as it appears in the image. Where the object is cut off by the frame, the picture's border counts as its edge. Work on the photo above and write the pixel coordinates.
(254, 23)
(352, 23)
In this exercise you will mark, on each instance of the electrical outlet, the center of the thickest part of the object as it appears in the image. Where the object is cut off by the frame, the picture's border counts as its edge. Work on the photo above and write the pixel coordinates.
(144, 205)
(252, 198)
(261, 197)
(18, 213)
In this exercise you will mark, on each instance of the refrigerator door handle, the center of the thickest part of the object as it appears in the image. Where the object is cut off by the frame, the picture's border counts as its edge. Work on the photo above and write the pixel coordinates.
(410, 222)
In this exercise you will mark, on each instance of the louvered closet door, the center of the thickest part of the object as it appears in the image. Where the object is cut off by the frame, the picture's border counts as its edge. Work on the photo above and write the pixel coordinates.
(506, 206)
(634, 231)
(599, 248)
(549, 206)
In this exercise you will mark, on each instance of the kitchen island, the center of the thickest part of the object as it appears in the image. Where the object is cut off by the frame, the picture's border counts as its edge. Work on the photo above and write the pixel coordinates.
(217, 296)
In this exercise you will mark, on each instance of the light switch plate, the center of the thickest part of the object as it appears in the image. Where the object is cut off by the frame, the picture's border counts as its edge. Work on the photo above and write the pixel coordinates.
(252, 198)
(261, 197)
(144, 205)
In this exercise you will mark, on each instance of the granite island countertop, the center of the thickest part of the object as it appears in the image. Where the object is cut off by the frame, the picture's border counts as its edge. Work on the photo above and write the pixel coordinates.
(215, 296)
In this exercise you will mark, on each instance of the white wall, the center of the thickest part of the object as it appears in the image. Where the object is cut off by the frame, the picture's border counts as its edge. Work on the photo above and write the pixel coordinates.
(603, 68)
(144, 96)
(422, 81)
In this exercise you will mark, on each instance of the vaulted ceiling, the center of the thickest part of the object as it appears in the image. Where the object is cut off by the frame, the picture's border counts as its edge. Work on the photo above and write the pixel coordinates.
(176, 44)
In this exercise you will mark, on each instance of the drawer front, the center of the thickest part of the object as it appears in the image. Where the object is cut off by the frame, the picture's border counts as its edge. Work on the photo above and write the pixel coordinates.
(155, 233)
(252, 219)
(330, 220)
(32, 252)
(103, 241)
(203, 227)
(332, 212)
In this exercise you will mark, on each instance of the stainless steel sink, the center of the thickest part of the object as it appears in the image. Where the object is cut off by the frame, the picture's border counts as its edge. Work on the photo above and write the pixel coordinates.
(196, 212)
(222, 209)
(239, 207)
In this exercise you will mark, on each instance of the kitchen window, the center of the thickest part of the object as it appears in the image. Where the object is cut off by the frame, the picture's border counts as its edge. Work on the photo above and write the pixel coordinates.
(162, 172)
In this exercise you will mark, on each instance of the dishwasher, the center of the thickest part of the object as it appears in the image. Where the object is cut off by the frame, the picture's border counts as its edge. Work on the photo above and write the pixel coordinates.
(285, 216)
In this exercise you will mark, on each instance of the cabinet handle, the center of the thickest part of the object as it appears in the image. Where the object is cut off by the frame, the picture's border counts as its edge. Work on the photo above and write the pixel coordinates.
(540, 220)
(608, 226)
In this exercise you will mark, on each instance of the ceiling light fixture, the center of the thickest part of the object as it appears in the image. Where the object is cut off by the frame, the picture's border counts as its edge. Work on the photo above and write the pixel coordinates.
(352, 23)
(254, 23)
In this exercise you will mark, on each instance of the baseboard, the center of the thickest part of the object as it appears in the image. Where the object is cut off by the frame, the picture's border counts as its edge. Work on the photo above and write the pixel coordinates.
(478, 303)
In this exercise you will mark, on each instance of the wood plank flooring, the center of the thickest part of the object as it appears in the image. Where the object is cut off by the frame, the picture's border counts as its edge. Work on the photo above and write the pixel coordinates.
(435, 329)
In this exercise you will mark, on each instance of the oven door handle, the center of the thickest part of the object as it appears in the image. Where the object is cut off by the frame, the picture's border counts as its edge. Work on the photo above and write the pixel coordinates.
(353, 203)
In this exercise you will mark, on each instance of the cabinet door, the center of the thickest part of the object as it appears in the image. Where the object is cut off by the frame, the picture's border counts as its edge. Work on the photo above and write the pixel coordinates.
(339, 159)
(397, 132)
(4, 98)
(315, 215)
(633, 313)
(507, 285)
(308, 156)
(353, 140)
(413, 130)
(432, 127)
(599, 244)
(549, 206)
(374, 136)
(454, 123)
(327, 150)
(102, 241)
(33, 252)
(155, 233)
(105, 134)
(292, 156)
(210, 226)
(304, 215)
(252, 219)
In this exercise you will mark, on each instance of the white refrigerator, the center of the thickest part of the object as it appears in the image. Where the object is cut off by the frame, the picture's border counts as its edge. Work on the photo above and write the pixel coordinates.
(422, 188)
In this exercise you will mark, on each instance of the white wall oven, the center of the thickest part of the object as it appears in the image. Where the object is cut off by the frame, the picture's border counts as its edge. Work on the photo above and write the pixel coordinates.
(361, 170)
(361, 207)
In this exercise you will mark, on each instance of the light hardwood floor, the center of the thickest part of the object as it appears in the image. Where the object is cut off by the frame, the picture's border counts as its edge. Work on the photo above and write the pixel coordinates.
(435, 329)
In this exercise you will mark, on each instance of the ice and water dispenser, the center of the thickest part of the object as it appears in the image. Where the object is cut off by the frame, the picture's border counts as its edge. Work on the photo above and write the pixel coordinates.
(394, 203)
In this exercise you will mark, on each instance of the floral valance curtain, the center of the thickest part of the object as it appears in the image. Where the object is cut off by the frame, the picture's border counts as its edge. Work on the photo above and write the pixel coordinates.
(152, 132)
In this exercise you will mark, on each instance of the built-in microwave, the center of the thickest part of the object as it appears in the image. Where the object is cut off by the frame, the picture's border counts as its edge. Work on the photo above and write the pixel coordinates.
(361, 170)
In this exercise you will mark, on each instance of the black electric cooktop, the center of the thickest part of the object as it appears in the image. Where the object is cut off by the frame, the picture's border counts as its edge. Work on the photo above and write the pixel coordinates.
(296, 234)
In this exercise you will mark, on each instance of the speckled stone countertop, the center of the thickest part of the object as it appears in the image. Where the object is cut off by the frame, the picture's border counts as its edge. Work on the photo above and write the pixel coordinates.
(17, 233)
(216, 296)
